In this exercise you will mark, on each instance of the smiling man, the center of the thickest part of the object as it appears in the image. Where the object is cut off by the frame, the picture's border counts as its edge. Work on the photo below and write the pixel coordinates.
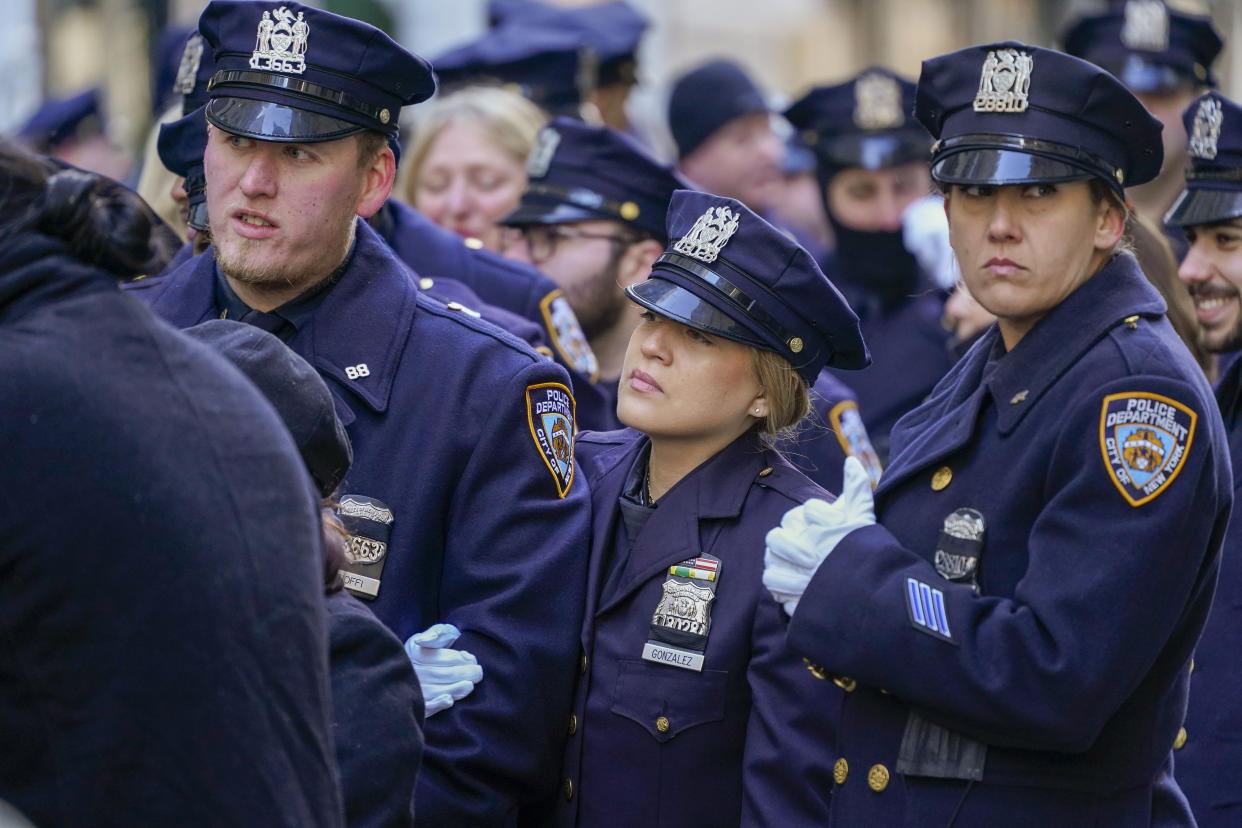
(461, 504)
(1209, 210)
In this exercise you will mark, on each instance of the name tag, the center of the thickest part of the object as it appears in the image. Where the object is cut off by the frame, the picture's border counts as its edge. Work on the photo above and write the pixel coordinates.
(360, 583)
(685, 659)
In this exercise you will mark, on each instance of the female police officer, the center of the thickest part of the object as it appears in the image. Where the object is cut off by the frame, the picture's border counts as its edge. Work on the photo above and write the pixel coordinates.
(1019, 623)
(690, 709)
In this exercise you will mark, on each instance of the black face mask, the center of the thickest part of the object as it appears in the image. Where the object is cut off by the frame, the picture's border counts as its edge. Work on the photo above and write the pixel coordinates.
(876, 262)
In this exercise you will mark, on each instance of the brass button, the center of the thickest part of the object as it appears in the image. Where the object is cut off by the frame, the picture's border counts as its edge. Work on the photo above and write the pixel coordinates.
(1181, 738)
(662, 724)
(1131, 321)
(573, 723)
(426, 283)
(629, 211)
(1192, 667)
(815, 669)
(846, 684)
(1019, 397)
(568, 788)
(766, 472)
(582, 664)
(877, 778)
(941, 478)
(840, 770)
(473, 243)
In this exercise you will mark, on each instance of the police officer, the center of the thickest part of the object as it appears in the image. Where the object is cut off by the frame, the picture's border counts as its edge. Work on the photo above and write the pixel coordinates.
(461, 502)
(872, 166)
(1019, 604)
(691, 710)
(592, 220)
(1165, 58)
(161, 611)
(1208, 752)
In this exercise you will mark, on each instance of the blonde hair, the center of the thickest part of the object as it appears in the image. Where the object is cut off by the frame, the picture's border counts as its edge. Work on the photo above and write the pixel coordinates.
(789, 399)
(510, 121)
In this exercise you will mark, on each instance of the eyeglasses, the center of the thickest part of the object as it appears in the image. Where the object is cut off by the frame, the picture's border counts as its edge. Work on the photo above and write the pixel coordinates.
(541, 239)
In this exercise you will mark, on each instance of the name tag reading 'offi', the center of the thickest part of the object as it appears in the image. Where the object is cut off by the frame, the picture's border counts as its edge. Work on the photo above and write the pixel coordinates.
(682, 620)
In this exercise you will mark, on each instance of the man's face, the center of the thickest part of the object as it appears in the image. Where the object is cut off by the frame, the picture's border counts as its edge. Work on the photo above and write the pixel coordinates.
(583, 258)
(1212, 271)
(283, 213)
(740, 160)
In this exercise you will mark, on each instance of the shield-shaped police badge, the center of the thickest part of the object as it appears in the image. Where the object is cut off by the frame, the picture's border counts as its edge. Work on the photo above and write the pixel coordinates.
(1146, 25)
(1144, 439)
(877, 102)
(540, 157)
(368, 525)
(280, 43)
(187, 70)
(960, 547)
(1205, 131)
(682, 620)
(550, 413)
(1005, 82)
(710, 233)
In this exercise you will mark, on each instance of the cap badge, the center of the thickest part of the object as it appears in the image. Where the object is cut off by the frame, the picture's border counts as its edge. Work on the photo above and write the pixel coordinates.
(281, 43)
(191, 56)
(1005, 82)
(1146, 26)
(877, 102)
(709, 234)
(541, 153)
(1206, 130)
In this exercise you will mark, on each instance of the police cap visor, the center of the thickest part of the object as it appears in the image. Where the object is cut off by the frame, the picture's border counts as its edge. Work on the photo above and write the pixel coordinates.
(546, 211)
(1003, 166)
(268, 121)
(677, 303)
(1203, 206)
(874, 152)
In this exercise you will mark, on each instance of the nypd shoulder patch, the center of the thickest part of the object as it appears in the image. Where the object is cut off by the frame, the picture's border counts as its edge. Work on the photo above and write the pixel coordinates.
(847, 424)
(567, 335)
(550, 413)
(926, 609)
(1144, 439)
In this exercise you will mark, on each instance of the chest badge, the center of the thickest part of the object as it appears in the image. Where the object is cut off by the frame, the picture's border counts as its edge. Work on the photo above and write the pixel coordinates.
(368, 523)
(682, 619)
(960, 547)
(1144, 439)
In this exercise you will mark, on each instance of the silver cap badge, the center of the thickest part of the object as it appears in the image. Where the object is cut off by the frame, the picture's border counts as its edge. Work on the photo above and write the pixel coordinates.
(1005, 82)
(877, 102)
(1206, 129)
(191, 56)
(1146, 26)
(541, 153)
(280, 45)
(709, 234)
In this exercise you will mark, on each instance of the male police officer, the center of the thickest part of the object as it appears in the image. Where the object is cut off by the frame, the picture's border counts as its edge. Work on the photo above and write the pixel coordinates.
(592, 219)
(1165, 58)
(1208, 757)
(461, 501)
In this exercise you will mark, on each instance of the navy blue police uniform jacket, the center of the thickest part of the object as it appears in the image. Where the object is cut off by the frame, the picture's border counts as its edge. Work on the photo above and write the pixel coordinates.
(377, 716)
(437, 254)
(163, 649)
(488, 532)
(833, 430)
(746, 741)
(1208, 759)
(910, 353)
(1095, 454)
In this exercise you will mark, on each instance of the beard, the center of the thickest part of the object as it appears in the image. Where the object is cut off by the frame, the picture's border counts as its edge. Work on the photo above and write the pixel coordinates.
(598, 302)
(1218, 341)
(244, 261)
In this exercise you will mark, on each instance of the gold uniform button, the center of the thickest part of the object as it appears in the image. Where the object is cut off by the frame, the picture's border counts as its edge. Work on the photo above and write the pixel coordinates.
(846, 684)
(426, 283)
(568, 788)
(662, 724)
(573, 723)
(877, 778)
(815, 669)
(766, 472)
(629, 211)
(941, 478)
(1192, 667)
(473, 243)
(840, 771)
(1181, 738)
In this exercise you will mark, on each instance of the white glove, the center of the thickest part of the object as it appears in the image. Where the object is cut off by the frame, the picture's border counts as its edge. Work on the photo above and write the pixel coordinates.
(808, 534)
(925, 233)
(445, 675)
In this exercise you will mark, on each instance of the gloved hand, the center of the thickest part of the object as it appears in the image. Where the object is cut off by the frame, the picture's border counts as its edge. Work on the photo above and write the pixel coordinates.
(808, 534)
(925, 233)
(445, 675)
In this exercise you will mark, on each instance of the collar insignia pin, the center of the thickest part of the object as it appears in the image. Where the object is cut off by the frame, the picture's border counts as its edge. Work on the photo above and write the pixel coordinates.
(709, 234)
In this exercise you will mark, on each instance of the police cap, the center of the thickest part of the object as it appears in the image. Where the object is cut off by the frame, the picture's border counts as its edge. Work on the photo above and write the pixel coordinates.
(289, 72)
(1214, 181)
(1010, 113)
(731, 274)
(181, 144)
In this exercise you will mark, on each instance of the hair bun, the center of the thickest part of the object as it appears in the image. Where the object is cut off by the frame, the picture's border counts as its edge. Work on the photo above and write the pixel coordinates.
(102, 222)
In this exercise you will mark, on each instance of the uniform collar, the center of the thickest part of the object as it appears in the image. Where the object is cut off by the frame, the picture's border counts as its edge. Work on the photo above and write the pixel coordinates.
(1110, 297)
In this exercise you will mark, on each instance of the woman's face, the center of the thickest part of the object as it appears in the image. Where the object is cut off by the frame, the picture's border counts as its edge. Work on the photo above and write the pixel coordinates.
(1024, 248)
(681, 384)
(874, 200)
(467, 182)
